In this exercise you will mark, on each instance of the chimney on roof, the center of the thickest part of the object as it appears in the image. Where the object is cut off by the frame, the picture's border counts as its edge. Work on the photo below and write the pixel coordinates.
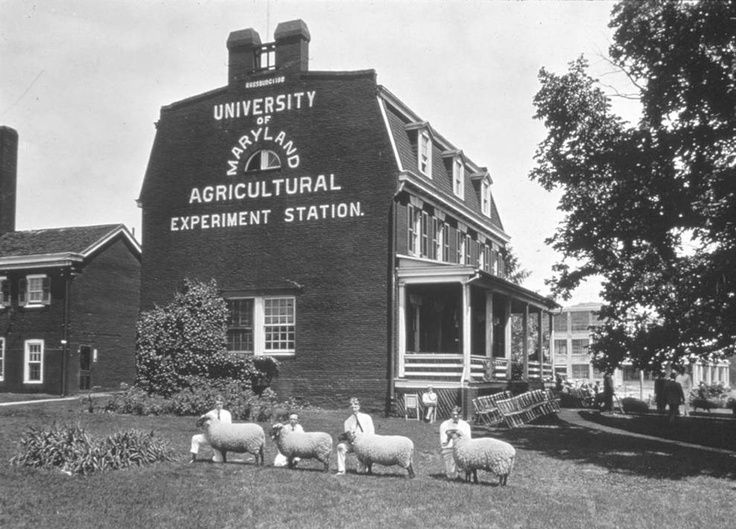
(8, 177)
(242, 46)
(292, 46)
(289, 52)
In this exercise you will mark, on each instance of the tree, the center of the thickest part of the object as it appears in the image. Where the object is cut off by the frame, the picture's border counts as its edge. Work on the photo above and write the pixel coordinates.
(650, 207)
(512, 270)
(185, 341)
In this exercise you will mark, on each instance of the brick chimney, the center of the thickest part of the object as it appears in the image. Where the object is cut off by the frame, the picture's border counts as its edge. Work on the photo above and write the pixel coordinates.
(8, 177)
(292, 46)
(242, 47)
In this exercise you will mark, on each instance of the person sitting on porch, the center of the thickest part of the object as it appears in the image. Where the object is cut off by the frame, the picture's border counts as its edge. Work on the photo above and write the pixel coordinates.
(429, 399)
(359, 423)
(448, 445)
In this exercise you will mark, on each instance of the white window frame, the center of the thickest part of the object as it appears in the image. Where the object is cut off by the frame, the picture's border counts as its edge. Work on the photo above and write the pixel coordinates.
(261, 326)
(425, 248)
(264, 155)
(41, 302)
(424, 153)
(445, 256)
(460, 247)
(485, 197)
(2, 359)
(27, 361)
(437, 238)
(414, 230)
(265, 327)
(458, 177)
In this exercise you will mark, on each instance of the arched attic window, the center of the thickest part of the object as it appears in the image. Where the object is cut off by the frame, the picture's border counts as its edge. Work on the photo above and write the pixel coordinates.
(262, 160)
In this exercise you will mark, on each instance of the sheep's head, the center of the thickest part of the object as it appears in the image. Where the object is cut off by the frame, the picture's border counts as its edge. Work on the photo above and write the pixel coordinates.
(348, 436)
(203, 421)
(453, 434)
(276, 430)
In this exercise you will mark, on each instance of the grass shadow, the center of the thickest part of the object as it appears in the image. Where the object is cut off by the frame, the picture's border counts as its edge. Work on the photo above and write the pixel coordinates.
(616, 452)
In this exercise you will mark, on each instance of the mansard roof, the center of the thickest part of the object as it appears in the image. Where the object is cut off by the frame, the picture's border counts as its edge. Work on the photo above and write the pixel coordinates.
(402, 125)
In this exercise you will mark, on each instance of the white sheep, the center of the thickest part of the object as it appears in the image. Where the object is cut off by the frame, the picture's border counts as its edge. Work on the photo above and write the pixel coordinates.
(385, 450)
(241, 438)
(484, 453)
(304, 445)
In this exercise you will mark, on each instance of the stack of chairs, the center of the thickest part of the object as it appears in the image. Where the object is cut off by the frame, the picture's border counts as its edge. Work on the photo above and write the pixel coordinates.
(486, 408)
(517, 411)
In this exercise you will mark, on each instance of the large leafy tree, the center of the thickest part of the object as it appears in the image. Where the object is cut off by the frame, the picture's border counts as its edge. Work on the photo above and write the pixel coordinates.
(650, 206)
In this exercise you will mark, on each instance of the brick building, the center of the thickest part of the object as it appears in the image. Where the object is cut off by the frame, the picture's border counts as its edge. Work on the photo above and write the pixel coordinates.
(351, 240)
(69, 299)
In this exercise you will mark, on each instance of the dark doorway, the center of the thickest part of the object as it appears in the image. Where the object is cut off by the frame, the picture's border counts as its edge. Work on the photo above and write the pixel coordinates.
(85, 367)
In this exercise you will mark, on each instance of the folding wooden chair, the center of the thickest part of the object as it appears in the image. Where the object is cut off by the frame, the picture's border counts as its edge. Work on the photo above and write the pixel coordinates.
(411, 402)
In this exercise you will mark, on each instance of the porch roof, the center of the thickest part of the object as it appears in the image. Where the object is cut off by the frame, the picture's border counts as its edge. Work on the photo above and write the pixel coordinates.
(443, 273)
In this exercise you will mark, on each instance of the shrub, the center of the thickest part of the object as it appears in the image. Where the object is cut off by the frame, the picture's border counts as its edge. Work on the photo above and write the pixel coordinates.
(71, 449)
(198, 398)
(186, 340)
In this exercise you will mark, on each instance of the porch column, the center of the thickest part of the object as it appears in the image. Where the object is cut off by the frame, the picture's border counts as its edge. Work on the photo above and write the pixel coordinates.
(401, 346)
(551, 343)
(540, 344)
(489, 324)
(466, 332)
(507, 337)
(525, 349)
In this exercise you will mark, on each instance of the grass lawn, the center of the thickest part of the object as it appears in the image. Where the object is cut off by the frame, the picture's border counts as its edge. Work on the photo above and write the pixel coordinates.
(565, 477)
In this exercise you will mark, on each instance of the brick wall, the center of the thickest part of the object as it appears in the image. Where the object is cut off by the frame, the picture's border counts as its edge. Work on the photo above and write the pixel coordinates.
(104, 311)
(339, 266)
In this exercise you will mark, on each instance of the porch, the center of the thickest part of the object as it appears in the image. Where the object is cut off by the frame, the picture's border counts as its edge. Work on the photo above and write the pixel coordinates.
(467, 333)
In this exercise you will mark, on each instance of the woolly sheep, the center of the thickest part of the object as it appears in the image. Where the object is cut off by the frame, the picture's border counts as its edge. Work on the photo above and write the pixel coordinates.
(236, 437)
(483, 453)
(306, 445)
(385, 450)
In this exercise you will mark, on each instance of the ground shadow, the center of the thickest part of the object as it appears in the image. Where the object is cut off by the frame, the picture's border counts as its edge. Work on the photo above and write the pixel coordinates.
(621, 453)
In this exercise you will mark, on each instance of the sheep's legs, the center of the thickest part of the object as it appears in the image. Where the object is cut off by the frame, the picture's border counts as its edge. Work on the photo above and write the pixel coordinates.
(410, 468)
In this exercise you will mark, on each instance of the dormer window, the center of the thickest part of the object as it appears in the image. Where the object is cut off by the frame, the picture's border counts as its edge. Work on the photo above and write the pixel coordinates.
(424, 151)
(262, 161)
(485, 197)
(458, 177)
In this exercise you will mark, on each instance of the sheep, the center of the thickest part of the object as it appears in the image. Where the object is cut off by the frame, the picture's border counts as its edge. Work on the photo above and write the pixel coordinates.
(236, 437)
(483, 453)
(385, 450)
(306, 445)
(632, 405)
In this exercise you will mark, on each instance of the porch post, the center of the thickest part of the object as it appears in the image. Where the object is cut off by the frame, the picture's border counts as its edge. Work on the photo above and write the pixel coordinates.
(401, 334)
(507, 337)
(551, 343)
(540, 344)
(466, 333)
(525, 349)
(489, 324)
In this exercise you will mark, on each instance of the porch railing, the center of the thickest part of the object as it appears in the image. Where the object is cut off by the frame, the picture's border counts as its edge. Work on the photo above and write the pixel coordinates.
(449, 367)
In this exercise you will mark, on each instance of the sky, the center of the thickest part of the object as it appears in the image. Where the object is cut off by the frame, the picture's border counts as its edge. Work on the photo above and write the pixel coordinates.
(83, 81)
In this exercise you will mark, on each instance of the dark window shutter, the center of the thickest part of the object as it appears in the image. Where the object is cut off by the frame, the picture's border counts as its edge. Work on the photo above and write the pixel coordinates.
(46, 291)
(22, 289)
(6, 292)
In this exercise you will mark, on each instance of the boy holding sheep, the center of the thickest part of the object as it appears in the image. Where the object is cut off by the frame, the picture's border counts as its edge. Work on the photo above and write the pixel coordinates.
(448, 443)
(200, 439)
(359, 423)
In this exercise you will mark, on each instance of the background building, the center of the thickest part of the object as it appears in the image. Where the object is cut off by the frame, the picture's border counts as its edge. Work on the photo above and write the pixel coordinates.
(69, 299)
